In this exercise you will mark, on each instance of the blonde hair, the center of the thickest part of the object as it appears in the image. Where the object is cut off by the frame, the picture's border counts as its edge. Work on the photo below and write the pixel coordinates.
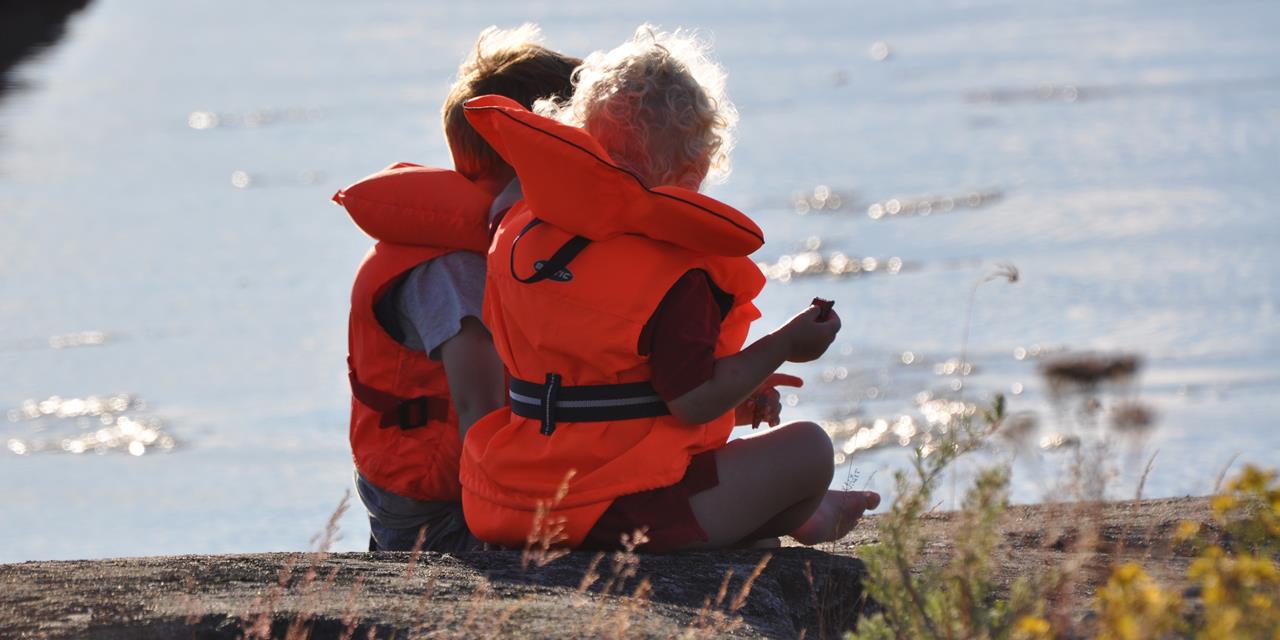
(657, 104)
(506, 62)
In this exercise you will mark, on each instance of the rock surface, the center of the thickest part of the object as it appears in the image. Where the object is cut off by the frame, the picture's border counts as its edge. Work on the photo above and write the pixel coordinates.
(476, 595)
(812, 592)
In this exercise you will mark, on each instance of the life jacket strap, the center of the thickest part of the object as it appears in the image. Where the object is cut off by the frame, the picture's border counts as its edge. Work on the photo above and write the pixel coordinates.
(406, 413)
(550, 402)
(555, 267)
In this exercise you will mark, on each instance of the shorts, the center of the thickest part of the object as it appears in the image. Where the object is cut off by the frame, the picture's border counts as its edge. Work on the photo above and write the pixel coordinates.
(665, 512)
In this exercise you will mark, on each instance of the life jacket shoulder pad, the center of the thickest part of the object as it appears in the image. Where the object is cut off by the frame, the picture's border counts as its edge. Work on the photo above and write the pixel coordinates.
(424, 206)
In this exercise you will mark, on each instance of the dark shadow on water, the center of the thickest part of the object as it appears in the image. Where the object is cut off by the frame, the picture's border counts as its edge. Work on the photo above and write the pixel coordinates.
(27, 27)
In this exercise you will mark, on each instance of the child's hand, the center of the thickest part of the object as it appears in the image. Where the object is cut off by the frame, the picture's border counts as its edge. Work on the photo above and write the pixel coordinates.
(807, 337)
(765, 404)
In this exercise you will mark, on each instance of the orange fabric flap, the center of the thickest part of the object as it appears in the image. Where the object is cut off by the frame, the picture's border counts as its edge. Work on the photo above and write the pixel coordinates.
(570, 181)
(424, 206)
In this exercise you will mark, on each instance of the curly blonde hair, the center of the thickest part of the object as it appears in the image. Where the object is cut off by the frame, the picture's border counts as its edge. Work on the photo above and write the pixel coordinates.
(506, 62)
(657, 104)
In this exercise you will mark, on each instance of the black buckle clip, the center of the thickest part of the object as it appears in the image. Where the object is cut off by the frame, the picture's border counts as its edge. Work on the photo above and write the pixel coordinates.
(413, 413)
(549, 393)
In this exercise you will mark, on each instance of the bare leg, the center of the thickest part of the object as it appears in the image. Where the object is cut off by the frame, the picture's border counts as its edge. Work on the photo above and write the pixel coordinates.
(770, 484)
(789, 520)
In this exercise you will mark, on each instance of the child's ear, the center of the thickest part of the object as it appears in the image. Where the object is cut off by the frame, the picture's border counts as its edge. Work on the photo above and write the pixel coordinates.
(461, 163)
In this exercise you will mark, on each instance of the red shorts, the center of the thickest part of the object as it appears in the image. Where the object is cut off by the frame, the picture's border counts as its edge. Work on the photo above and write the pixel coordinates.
(664, 511)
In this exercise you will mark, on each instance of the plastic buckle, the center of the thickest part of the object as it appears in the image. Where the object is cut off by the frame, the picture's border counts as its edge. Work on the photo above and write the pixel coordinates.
(413, 413)
(549, 393)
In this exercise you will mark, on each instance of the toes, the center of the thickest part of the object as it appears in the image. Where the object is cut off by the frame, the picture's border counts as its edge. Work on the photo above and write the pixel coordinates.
(872, 499)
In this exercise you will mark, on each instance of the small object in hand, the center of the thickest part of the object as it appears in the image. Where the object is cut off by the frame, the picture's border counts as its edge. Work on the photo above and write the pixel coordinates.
(757, 410)
(824, 308)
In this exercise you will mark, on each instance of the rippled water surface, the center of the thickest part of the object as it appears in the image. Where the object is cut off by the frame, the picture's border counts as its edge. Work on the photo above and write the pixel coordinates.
(173, 280)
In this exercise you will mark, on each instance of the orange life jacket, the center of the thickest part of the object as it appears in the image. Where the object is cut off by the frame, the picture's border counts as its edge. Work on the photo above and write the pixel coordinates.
(575, 272)
(404, 431)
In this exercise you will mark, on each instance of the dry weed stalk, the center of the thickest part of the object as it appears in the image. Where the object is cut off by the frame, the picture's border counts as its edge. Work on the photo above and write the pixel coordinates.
(825, 600)
(428, 590)
(624, 565)
(716, 617)
(189, 603)
(508, 611)
(590, 576)
(1146, 471)
(544, 543)
(709, 616)
(632, 604)
(625, 562)
(745, 590)
(415, 552)
(257, 622)
(477, 603)
(1004, 271)
(1222, 475)
(349, 618)
(447, 618)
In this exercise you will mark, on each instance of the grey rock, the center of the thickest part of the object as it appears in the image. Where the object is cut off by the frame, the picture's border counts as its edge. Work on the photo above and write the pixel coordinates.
(472, 595)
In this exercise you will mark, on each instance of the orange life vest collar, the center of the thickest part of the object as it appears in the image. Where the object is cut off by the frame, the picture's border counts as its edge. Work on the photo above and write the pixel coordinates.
(570, 183)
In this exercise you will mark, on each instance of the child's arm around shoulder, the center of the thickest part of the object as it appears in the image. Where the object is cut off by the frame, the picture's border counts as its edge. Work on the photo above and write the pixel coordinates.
(477, 378)
(736, 377)
(442, 301)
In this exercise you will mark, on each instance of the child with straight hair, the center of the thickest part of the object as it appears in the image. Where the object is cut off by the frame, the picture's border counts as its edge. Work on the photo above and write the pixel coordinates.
(421, 364)
(619, 298)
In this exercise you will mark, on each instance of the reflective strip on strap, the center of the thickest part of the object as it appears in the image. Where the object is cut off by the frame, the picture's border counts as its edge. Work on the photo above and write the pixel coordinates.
(588, 403)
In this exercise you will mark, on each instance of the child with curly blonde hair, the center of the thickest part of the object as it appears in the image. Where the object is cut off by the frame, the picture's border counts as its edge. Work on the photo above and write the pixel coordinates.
(620, 298)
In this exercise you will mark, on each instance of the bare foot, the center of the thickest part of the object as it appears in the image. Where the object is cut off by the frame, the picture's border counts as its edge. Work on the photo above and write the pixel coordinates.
(835, 516)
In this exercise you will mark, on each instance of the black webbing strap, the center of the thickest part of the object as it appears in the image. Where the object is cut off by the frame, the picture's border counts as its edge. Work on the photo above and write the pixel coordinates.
(552, 266)
(551, 403)
(406, 413)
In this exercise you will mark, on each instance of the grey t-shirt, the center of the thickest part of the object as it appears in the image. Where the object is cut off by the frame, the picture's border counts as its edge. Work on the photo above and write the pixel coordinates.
(427, 307)
(432, 300)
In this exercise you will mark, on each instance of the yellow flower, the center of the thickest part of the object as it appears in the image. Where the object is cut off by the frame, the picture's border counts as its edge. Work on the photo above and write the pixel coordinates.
(1128, 573)
(1132, 606)
(1186, 531)
(1252, 480)
(1222, 504)
(1032, 628)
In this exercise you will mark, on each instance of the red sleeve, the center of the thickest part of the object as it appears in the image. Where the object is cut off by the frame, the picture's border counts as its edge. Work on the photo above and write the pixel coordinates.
(680, 338)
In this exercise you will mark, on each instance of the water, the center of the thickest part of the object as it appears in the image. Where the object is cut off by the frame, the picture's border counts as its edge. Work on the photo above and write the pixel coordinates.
(164, 189)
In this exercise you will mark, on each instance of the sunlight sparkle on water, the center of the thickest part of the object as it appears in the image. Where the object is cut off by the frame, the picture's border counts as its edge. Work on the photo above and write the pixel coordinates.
(928, 205)
(835, 263)
(79, 425)
(241, 179)
(879, 51)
